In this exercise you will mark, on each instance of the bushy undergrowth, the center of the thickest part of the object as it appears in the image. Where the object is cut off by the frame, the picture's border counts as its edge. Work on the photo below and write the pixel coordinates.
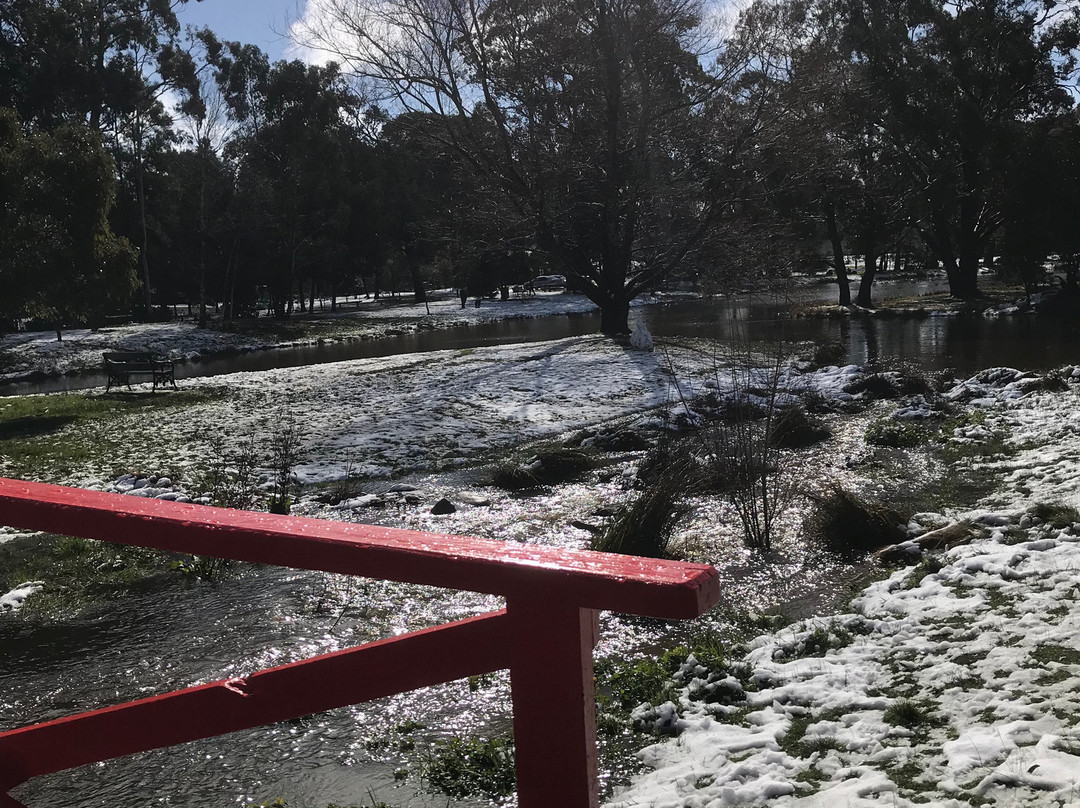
(645, 526)
(1056, 515)
(791, 428)
(550, 466)
(828, 353)
(895, 434)
(889, 385)
(849, 525)
(466, 767)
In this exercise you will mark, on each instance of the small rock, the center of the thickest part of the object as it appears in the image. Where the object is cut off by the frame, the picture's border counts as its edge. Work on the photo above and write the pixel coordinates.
(443, 507)
(945, 538)
(365, 501)
(412, 500)
(401, 488)
(470, 498)
(604, 511)
(594, 529)
(903, 553)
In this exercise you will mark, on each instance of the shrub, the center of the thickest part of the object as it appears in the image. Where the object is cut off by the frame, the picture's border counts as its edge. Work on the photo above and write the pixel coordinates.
(548, 467)
(285, 453)
(1055, 381)
(875, 385)
(1056, 515)
(846, 524)
(792, 429)
(466, 767)
(645, 526)
(889, 385)
(894, 434)
(229, 480)
(830, 353)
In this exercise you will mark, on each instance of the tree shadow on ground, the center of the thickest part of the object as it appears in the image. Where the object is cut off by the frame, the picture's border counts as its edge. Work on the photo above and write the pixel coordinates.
(35, 426)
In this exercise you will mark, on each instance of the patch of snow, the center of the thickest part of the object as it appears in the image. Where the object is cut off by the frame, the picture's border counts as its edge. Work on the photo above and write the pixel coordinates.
(13, 600)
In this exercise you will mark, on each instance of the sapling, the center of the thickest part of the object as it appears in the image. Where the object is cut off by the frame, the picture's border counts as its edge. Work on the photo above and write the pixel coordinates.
(285, 453)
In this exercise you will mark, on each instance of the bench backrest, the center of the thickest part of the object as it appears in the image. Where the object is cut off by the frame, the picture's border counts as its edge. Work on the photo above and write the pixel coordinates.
(129, 356)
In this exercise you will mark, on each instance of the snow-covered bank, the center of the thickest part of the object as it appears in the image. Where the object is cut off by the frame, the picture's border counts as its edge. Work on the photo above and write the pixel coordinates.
(939, 688)
(383, 416)
(39, 352)
(951, 683)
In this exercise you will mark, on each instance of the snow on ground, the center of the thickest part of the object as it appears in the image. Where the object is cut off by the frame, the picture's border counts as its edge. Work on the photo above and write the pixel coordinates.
(14, 599)
(81, 348)
(384, 416)
(953, 683)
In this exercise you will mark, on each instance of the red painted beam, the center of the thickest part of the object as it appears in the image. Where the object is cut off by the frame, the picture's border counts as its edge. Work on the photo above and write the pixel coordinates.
(371, 671)
(624, 584)
(551, 681)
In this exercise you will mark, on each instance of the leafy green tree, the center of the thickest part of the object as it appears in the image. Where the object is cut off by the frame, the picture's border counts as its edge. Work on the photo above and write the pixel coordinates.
(59, 259)
(289, 148)
(948, 79)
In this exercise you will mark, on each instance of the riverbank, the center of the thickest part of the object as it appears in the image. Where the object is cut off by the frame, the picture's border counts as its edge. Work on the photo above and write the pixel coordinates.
(951, 683)
(433, 424)
(36, 354)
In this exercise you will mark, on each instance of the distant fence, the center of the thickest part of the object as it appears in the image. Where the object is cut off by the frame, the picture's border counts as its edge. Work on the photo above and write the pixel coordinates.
(544, 636)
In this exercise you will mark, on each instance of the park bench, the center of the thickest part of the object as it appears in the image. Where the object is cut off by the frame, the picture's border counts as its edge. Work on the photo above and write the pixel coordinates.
(120, 366)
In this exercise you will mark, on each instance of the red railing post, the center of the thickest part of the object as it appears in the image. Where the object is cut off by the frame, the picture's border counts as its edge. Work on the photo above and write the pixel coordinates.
(545, 637)
(551, 679)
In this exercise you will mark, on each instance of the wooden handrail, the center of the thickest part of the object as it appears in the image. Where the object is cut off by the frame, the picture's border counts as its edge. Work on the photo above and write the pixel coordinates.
(545, 636)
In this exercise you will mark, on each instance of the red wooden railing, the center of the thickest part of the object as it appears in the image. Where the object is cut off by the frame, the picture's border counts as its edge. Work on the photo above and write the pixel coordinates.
(545, 635)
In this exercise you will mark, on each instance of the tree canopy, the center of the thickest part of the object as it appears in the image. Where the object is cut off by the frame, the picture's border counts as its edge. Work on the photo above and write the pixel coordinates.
(623, 143)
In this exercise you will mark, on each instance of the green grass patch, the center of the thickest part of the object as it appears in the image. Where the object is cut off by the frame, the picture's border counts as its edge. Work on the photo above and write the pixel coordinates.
(927, 566)
(912, 715)
(62, 431)
(78, 573)
(1056, 653)
(895, 434)
(797, 745)
(1053, 677)
(908, 778)
(467, 767)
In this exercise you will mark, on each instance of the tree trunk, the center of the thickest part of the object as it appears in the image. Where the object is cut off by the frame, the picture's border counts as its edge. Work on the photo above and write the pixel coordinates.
(867, 282)
(144, 260)
(203, 148)
(419, 292)
(838, 255)
(615, 316)
(967, 286)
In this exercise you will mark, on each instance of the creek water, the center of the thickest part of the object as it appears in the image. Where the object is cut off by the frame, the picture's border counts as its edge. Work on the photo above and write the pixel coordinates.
(961, 344)
(183, 632)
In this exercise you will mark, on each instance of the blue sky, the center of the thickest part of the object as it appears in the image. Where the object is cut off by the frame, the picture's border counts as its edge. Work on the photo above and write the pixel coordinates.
(259, 22)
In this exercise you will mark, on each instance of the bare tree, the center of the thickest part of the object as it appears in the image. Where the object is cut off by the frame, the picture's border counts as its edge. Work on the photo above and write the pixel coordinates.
(594, 120)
